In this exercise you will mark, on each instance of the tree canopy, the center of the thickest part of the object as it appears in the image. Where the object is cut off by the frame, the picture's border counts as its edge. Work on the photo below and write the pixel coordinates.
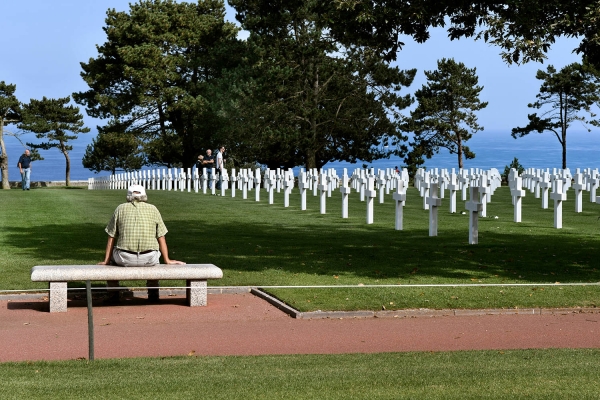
(524, 30)
(445, 114)
(113, 149)
(313, 101)
(156, 72)
(55, 121)
(565, 97)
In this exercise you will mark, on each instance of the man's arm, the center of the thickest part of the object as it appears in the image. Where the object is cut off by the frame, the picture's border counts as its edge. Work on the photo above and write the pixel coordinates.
(162, 245)
(109, 248)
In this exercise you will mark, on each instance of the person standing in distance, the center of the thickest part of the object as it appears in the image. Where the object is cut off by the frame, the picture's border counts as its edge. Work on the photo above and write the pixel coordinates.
(220, 166)
(136, 238)
(209, 163)
(24, 165)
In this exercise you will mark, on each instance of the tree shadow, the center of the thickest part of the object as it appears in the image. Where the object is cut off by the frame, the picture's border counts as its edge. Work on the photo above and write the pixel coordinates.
(249, 253)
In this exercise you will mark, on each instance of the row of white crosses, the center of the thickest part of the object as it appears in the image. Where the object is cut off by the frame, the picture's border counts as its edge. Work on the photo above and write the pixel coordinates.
(480, 185)
(367, 182)
(156, 179)
(486, 181)
(559, 181)
(432, 185)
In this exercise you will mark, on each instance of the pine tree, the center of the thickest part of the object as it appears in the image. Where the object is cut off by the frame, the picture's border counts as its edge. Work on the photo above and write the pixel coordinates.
(445, 114)
(563, 96)
(55, 121)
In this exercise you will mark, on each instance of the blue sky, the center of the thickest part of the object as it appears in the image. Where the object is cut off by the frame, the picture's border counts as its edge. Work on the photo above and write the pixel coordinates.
(44, 41)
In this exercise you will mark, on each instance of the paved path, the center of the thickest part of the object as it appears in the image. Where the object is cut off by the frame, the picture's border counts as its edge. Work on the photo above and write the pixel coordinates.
(242, 324)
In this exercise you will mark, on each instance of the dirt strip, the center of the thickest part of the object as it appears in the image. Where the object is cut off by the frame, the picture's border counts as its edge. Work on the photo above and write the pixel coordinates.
(242, 324)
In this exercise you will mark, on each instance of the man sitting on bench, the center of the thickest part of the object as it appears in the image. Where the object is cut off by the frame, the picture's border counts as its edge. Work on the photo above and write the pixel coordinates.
(136, 238)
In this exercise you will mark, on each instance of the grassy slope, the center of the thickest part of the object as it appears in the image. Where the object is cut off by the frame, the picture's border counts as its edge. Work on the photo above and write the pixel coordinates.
(264, 245)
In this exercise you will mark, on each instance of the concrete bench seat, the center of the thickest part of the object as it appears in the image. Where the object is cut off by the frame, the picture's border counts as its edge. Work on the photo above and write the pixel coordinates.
(195, 276)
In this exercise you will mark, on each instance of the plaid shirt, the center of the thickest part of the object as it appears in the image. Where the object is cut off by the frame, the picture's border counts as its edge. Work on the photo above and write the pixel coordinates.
(136, 226)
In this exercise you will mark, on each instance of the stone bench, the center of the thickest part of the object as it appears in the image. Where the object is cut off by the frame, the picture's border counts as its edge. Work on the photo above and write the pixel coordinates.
(195, 276)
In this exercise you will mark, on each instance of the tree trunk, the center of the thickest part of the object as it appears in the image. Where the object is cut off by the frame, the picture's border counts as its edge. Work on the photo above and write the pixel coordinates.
(68, 168)
(564, 149)
(3, 158)
(460, 151)
(311, 159)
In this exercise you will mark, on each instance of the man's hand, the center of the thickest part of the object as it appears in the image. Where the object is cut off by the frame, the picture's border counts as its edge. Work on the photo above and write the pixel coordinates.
(173, 262)
(102, 263)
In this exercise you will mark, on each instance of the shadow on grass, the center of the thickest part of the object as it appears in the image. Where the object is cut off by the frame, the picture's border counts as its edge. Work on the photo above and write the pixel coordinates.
(343, 252)
(352, 250)
(85, 242)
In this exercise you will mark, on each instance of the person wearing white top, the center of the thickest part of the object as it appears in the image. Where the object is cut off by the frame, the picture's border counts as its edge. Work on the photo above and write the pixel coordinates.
(220, 166)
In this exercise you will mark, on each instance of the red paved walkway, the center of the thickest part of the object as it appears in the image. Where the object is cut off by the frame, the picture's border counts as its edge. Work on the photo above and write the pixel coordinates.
(243, 324)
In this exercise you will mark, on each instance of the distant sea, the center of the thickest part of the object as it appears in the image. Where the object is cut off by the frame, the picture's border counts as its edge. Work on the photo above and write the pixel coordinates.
(492, 150)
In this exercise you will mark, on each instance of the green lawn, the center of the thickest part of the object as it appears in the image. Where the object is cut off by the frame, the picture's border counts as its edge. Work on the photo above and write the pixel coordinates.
(510, 374)
(269, 245)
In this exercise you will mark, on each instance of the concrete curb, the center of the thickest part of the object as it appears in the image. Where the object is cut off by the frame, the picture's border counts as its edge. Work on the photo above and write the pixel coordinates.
(275, 302)
(406, 313)
(414, 313)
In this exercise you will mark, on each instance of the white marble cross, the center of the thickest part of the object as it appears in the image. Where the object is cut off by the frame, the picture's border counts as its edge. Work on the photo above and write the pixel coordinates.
(234, 181)
(169, 179)
(474, 208)
(188, 180)
(315, 181)
(425, 187)
(434, 202)
(213, 187)
(400, 198)
(345, 191)
(382, 183)
(545, 185)
(278, 179)
(594, 183)
(329, 180)
(245, 180)
(195, 177)
(303, 186)
(204, 180)
(288, 185)
(224, 181)
(517, 194)
(536, 180)
(370, 194)
(558, 196)
(322, 193)
(484, 194)
(270, 181)
(257, 184)
(362, 184)
(453, 187)
(578, 188)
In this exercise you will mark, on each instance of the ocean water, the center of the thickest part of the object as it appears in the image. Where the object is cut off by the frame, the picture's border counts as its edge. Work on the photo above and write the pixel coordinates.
(492, 150)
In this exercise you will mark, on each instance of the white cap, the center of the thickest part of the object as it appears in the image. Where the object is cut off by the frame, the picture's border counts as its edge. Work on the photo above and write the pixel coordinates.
(136, 188)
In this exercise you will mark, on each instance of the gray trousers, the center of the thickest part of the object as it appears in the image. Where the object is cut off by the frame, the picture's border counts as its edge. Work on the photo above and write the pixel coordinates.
(126, 259)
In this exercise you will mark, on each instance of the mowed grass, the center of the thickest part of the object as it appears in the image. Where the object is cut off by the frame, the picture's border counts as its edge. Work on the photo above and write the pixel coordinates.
(269, 245)
(510, 374)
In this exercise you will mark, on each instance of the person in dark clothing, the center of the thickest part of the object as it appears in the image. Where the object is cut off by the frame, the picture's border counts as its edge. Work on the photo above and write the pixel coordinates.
(209, 163)
(24, 165)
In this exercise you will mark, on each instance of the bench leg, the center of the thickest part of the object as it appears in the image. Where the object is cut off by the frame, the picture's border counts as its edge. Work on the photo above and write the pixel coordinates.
(196, 293)
(153, 294)
(58, 297)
